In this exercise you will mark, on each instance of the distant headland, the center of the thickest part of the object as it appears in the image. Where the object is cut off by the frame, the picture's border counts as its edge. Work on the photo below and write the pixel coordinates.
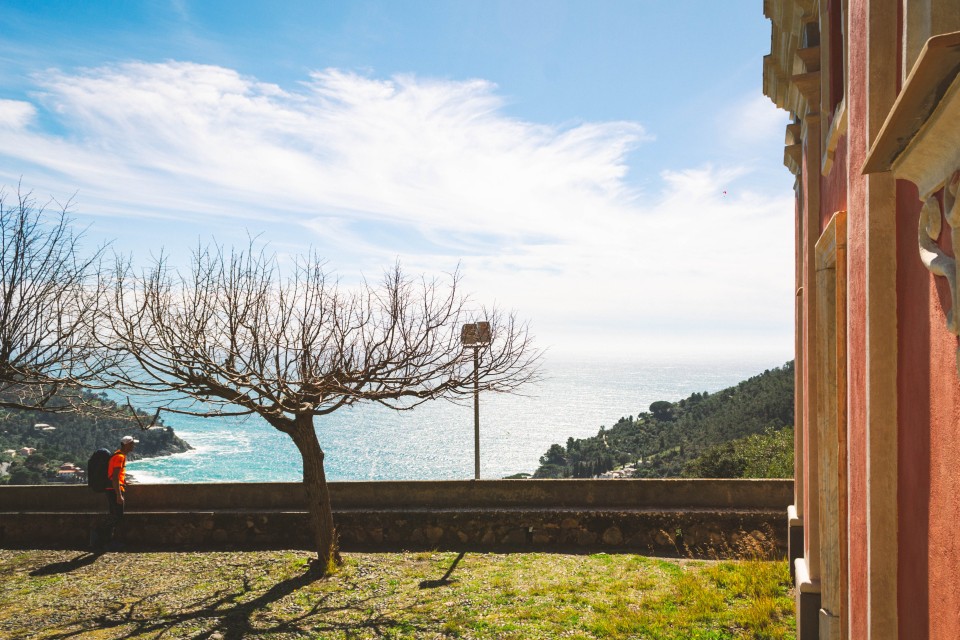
(39, 447)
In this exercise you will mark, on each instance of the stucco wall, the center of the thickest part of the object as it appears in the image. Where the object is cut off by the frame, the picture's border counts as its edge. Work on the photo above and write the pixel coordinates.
(857, 145)
(930, 484)
(915, 291)
(685, 517)
(928, 415)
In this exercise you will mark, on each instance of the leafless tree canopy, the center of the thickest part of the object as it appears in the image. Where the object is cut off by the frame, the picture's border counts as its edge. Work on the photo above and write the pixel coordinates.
(235, 331)
(50, 297)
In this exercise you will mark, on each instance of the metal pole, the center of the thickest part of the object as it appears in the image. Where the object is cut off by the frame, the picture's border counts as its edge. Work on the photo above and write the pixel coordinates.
(476, 413)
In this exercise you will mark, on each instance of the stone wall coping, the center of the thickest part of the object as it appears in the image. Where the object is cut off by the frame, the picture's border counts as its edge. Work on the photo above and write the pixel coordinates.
(464, 511)
(592, 494)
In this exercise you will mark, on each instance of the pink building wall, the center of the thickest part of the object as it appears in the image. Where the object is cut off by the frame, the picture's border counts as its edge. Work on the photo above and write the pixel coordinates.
(923, 546)
(931, 462)
(913, 409)
(857, 145)
(928, 449)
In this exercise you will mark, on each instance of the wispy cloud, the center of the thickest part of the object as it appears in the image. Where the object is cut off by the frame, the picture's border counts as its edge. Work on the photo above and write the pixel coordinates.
(15, 114)
(542, 218)
(752, 120)
(180, 9)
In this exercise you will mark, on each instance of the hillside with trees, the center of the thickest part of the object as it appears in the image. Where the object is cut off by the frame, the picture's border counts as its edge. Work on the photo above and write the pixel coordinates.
(742, 431)
(57, 438)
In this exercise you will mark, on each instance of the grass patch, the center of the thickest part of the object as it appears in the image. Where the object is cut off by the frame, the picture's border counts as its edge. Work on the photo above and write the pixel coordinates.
(57, 594)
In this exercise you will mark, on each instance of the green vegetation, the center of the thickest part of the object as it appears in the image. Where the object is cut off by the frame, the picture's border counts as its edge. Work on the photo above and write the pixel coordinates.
(744, 431)
(72, 437)
(762, 455)
(50, 594)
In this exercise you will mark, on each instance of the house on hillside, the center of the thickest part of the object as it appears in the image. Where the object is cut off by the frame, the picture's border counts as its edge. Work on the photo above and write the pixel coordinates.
(69, 472)
(873, 94)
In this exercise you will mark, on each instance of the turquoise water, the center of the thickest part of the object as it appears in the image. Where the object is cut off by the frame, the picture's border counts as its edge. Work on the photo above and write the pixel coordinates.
(435, 441)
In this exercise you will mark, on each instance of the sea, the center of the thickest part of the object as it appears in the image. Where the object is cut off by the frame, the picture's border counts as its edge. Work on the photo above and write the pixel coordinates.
(435, 441)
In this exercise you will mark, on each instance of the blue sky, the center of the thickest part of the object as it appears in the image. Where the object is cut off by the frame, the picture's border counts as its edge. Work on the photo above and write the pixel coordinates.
(610, 170)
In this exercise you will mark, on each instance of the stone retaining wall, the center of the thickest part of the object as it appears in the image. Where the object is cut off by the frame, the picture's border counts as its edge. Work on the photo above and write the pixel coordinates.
(685, 517)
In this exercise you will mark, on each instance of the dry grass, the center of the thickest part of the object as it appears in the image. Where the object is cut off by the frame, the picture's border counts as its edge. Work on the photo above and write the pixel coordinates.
(226, 595)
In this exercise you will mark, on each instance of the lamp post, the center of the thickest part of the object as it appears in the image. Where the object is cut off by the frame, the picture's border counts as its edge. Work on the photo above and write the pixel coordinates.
(476, 335)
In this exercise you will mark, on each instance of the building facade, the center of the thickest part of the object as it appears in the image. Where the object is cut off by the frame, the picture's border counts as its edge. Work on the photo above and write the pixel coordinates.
(874, 142)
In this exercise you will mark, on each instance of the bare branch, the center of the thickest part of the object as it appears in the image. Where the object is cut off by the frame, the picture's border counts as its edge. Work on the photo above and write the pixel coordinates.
(52, 300)
(234, 332)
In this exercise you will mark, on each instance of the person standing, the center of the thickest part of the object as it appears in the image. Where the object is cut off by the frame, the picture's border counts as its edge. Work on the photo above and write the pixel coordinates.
(116, 500)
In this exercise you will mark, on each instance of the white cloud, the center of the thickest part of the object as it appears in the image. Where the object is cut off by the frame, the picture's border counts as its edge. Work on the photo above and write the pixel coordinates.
(542, 218)
(15, 114)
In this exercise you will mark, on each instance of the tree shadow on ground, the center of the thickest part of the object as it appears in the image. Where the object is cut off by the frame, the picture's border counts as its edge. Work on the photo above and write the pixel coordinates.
(225, 614)
(445, 580)
(67, 566)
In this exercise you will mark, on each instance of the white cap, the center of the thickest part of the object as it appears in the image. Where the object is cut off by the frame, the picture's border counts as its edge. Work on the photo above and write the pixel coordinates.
(128, 440)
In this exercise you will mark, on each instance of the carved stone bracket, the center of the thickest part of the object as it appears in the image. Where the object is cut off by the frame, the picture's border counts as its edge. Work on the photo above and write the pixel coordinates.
(933, 257)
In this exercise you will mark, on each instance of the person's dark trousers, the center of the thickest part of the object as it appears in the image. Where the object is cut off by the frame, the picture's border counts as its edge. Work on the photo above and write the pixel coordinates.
(104, 533)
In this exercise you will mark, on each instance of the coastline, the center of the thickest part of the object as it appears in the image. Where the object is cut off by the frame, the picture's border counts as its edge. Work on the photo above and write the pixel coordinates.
(435, 441)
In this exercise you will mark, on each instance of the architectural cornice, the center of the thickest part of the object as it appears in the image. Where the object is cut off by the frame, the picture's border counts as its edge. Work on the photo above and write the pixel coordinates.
(779, 67)
(791, 72)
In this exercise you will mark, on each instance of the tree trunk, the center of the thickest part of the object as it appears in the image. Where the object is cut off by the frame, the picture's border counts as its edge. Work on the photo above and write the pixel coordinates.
(318, 495)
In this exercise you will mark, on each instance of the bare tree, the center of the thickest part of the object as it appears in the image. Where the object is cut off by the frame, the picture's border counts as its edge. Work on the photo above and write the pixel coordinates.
(50, 303)
(239, 334)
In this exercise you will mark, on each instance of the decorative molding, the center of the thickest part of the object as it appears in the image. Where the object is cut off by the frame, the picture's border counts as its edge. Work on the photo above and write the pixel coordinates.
(831, 357)
(804, 583)
(789, 18)
(838, 128)
(920, 142)
(792, 135)
(808, 59)
(808, 84)
(793, 158)
(793, 148)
